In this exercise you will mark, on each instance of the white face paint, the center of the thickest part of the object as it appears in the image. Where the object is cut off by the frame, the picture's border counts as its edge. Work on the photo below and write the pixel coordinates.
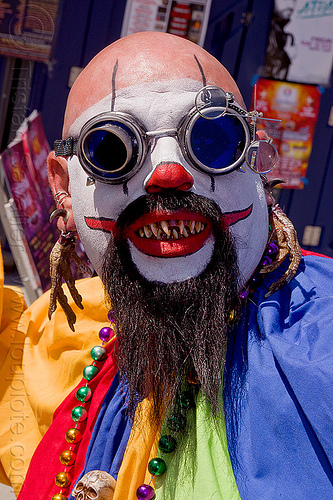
(161, 107)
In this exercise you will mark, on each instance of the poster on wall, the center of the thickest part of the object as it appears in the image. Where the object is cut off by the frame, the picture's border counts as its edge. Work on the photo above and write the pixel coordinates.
(25, 164)
(33, 215)
(187, 19)
(300, 46)
(27, 28)
(297, 106)
(36, 148)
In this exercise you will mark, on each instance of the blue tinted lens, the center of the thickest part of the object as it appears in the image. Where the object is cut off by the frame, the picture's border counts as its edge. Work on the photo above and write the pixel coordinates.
(111, 151)
(218, 143)
(106, 151)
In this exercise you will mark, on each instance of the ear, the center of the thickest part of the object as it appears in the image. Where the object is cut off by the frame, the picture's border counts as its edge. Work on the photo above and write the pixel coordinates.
(261, 135)
(59, 181)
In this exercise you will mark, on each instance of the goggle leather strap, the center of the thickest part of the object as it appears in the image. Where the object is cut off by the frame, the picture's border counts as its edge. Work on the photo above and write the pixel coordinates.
(65, 147)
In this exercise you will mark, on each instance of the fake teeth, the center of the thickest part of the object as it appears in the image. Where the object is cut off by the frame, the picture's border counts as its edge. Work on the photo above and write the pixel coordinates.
(171, 229)
(165, 227)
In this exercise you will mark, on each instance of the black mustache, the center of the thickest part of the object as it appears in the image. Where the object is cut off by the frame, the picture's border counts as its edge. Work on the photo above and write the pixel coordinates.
(170, 202)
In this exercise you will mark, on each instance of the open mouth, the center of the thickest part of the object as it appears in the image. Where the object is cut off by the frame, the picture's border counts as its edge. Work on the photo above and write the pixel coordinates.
(169, 234)
(171, 229)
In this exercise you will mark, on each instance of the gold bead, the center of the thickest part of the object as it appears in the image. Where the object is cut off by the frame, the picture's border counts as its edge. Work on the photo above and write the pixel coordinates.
(193, 378)
(232, 316)
(62, 479)
(59, 496)
(73, 436)
(67, 457)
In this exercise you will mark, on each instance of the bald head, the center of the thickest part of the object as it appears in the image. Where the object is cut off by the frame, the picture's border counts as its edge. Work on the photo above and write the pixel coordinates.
(143, 58)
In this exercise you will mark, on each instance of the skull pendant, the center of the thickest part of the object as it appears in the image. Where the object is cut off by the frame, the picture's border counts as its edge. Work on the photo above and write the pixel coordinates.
(95, 485)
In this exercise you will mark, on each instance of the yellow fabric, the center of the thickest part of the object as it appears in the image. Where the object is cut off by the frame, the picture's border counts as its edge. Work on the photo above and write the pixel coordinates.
(41, 362)
(141, 448)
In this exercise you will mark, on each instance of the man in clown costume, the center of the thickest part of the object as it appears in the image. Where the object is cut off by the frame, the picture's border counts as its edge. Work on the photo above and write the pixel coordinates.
(205, 370)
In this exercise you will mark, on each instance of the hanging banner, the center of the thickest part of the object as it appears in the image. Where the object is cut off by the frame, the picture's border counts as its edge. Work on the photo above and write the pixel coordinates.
(36, 148)
(188, 19)
(37, 230)
(27, 28)
(25, 165)
(300, 46)
(297, 106)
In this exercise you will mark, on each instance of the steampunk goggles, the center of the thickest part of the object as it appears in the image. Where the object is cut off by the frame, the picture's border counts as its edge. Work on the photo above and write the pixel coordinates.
(216, 137)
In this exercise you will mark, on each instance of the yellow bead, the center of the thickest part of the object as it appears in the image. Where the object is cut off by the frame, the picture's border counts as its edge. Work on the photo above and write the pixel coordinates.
(59, 496)
(232, 316)
(62, 479)
(73, 436)
(67, 457)
(193, 378)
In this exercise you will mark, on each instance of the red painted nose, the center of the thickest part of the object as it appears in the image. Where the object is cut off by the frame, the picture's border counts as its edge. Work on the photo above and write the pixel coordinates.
(169, 176)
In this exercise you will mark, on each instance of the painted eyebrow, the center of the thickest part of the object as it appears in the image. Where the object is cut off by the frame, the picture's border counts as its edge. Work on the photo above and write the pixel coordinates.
(204, 79)
(114, 73)
(113, 96)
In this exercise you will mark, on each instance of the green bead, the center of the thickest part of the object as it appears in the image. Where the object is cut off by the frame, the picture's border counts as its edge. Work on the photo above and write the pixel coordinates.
(177, 422)
(167, 444)
(157, 466)
(98, 353)
(79, 414)
(83, 394)
(186, 400)
(90, 372)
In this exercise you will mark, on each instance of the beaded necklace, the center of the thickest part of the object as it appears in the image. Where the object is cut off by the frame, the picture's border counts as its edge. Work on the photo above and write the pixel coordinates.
(257, 278)
(167, 443)
(79, 413)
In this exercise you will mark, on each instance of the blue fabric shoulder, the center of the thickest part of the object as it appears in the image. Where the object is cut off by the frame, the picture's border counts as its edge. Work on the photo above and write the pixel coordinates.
(278, 391)
(111, 432)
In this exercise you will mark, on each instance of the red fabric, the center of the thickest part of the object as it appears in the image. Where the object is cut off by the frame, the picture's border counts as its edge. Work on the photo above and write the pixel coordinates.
(308, 252)
(45, 464)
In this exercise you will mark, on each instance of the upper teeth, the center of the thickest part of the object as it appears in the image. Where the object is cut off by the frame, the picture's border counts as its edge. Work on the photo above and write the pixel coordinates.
(171, 229)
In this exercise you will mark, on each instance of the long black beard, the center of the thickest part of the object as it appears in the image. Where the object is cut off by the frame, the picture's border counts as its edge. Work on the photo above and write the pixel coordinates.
(165, 330)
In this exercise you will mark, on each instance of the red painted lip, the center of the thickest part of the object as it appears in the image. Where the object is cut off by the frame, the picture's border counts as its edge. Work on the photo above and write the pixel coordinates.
(230, 218)
(101, 223)
(169, 248)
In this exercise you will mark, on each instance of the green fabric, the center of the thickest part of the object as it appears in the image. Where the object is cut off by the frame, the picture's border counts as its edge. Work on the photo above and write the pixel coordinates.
(200, 468)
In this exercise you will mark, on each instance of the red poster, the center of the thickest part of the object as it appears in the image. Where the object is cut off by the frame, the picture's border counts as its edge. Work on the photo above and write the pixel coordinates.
(297, 106)
(33, 216)
(23, 188)
(37, 149)
(25, 164)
